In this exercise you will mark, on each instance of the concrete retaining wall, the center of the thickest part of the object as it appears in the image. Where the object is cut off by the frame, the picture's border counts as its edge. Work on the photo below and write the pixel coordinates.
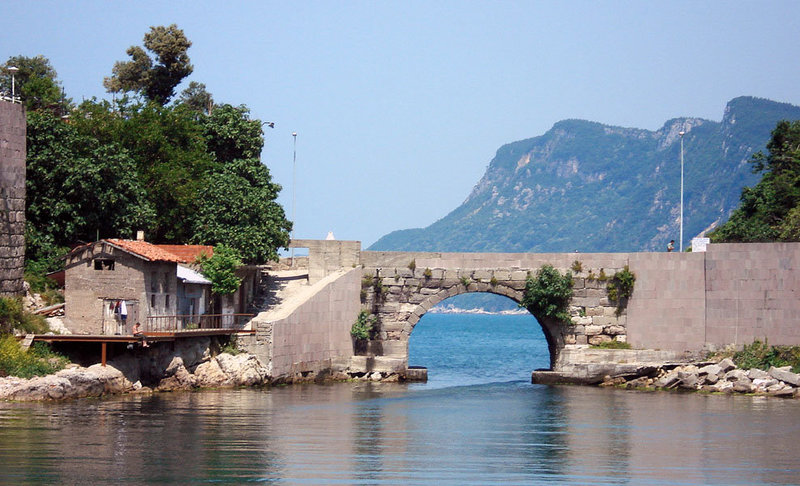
(12, 197)
(315, 334)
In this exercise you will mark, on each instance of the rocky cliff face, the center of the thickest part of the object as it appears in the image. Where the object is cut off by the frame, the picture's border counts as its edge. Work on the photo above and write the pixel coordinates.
(594, 188)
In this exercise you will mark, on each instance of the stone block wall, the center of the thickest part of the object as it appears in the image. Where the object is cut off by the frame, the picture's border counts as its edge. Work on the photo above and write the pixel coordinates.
(12, 197)
(399, 293)
(683, 302)
(667, 310)
(753, 292)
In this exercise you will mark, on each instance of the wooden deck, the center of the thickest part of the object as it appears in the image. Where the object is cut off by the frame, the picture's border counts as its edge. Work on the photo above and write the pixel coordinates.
(155, 336)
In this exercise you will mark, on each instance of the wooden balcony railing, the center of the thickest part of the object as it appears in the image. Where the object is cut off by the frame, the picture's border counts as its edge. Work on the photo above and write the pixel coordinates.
(195, 322)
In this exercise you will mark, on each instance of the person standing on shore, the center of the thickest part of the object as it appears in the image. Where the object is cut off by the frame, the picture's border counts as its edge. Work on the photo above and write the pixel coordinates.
(671, 246)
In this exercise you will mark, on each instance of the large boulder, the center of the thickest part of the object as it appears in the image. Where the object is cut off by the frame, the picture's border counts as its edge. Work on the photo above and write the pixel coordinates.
(243, 369)
(177, 377)
(726, 364)
(785, 375)
(209, 374)
(75, 382)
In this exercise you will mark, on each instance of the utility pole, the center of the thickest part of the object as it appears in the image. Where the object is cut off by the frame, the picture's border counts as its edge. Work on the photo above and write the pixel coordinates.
(680, 245)
(294, 189)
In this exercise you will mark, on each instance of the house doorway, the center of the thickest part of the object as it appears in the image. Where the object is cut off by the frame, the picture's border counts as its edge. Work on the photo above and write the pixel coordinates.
(119, 316)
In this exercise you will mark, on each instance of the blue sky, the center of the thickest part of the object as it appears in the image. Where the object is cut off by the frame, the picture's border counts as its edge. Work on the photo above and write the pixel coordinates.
(400, 106)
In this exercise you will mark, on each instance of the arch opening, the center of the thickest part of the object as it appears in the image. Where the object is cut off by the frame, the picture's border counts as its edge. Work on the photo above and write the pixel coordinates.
(500, 344)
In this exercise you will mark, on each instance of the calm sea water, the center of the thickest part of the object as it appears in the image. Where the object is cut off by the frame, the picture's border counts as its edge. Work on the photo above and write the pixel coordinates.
(478, 421)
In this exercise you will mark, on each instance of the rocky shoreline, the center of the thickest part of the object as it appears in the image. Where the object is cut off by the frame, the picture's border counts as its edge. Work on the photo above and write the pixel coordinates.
(721, 377)
(189, 366)
(199, 363)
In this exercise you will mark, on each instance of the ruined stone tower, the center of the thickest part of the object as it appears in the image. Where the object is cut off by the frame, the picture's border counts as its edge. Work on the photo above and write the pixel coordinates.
(12, 197)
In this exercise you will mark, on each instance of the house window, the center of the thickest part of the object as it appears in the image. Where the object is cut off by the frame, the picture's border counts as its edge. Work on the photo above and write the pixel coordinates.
(166, 302)
(152, 303)
(103, 264)
(153, 282)
(166, 281)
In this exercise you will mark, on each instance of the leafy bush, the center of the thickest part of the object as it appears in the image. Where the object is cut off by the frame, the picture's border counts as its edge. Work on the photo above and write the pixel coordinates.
(221, 269)
(364, 325)
(621, 285)
(412, 265)
(427, 273)
(577, 266)
(620, 288)
(12, 316)
(465, 281)
(762, 356)
(39, 360)
(548, 293)
(230, 347)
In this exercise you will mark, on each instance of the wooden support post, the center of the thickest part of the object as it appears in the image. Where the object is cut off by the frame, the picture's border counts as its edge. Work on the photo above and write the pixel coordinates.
(103, 354)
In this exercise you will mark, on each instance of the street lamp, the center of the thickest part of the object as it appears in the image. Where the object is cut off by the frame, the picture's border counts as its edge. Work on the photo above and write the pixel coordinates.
(680, 245)
(13, 70)
(294, 187)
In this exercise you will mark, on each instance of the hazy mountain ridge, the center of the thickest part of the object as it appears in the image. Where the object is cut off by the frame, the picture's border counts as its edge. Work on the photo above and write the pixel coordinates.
(587, 186)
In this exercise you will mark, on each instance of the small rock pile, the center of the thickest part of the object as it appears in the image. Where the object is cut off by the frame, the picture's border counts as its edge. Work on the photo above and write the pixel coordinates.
(722, 377)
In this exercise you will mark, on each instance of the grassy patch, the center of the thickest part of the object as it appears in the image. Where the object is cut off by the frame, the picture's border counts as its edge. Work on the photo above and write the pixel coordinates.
(12, 316)
(762, 356)
(39, 360)
(612, 345)
(230, 347)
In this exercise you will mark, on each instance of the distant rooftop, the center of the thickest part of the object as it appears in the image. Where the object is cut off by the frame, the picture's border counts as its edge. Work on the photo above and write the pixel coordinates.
(188, 253)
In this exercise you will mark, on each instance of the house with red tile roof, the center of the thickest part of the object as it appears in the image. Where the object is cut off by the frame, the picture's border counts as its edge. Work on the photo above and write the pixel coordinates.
(113, 283)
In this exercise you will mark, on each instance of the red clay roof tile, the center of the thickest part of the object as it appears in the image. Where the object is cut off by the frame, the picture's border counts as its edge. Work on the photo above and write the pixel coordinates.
(145, 250)
(188, 253)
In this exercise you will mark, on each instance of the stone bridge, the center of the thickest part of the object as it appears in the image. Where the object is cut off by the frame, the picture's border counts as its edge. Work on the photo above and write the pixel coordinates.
(682, 303)
(400, 288)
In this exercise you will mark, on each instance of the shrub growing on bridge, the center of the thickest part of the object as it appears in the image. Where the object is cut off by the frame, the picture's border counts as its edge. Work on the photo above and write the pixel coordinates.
(620, 288)
(548, 293)
(364, 325)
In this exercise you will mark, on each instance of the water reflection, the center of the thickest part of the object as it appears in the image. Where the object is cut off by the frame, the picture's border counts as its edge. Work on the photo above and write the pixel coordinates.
(373, 434)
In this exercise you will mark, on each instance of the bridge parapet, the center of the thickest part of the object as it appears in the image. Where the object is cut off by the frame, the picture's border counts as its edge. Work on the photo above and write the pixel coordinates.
(328, 256)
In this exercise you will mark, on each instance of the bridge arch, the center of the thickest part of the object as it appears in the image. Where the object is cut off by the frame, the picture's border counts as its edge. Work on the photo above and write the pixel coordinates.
(552, 329)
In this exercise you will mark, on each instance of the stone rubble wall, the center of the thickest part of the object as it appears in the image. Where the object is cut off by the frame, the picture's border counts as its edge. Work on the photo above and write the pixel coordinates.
(12, 198)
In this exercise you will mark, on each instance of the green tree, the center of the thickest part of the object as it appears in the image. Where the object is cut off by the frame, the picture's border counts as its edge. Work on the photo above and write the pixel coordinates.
(197, 98)
(169, 150)
(220, 268)
(154, 78)
(231, 134)
(770, 211)
(78, 188)
(238, 209)
(36, 83)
